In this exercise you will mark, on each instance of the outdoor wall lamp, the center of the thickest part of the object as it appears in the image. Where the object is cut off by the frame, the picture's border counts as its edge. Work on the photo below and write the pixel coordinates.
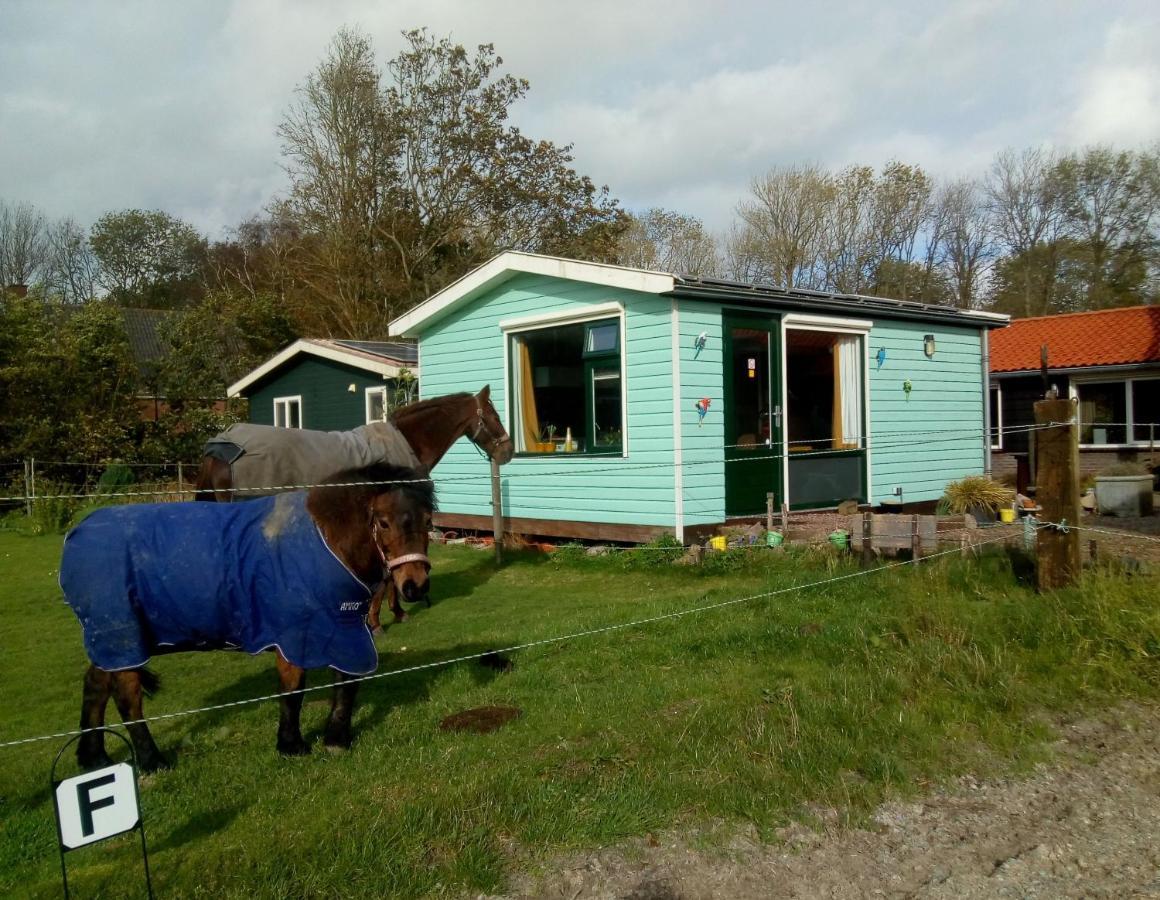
(928, 345)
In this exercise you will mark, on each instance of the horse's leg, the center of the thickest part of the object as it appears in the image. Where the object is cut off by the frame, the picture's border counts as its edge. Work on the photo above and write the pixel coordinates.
(374, 621)
(91, 747)
(127, 693)
(338, 735)
(291, 679)
(393, 601)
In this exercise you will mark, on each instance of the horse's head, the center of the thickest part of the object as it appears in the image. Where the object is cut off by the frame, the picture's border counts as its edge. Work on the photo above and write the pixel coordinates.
(487, 431)
(400, 523)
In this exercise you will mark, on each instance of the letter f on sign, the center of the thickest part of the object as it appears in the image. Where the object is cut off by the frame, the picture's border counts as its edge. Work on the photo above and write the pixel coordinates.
(86, 804)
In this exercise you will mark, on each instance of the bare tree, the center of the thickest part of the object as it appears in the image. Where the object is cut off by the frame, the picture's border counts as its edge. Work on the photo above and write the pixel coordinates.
(1024, 202)
(71, 272)
(963, 241)
(667, 241)
(785, 223)
(23, 244)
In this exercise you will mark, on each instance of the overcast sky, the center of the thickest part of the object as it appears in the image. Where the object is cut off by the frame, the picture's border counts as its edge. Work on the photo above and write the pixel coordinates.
(174, 105)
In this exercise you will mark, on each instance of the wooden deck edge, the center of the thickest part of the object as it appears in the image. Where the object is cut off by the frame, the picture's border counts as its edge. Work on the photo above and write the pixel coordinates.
(554, 528)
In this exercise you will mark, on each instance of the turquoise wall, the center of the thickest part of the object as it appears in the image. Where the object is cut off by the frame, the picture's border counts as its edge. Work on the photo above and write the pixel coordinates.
(466, 350)
(936, 435)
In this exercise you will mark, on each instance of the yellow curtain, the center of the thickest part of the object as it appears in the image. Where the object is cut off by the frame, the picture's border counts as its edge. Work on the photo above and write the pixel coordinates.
(529, 418)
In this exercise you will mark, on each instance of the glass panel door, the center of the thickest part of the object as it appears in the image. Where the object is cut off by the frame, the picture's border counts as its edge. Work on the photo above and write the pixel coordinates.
(752, 413)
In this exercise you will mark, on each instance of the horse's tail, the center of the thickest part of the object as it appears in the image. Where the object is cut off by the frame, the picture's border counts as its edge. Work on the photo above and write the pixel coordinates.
(207, 476)
(150, 681)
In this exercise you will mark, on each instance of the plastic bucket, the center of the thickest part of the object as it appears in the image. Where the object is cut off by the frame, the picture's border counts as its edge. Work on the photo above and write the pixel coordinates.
(840, 539)
(773, 538)
(1007, 515)
(718, 542)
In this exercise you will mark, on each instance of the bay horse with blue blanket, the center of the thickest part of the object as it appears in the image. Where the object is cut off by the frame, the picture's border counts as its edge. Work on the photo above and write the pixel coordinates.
(291, 573)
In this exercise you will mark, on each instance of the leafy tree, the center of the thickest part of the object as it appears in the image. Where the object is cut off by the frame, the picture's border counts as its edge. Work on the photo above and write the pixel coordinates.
(398, 188)
(149, 259)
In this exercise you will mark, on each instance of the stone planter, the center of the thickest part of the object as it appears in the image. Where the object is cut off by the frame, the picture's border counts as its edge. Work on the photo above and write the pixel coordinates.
(1124, 495)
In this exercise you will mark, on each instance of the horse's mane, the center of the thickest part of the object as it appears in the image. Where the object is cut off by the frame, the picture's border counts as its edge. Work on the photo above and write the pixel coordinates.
(425, 407)
(336, 503)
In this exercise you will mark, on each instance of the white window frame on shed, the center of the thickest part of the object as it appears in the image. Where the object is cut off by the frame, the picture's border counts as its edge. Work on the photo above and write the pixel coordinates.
(596, 312)
(380, 390)
(281, 407)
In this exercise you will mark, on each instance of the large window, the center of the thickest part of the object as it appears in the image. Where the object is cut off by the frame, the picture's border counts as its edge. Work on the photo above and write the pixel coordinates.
(823, 390)
(288, 412)
(1118, 413)
(566, 380)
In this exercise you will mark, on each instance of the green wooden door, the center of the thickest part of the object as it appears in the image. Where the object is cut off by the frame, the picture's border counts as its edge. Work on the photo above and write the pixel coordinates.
(753, 416)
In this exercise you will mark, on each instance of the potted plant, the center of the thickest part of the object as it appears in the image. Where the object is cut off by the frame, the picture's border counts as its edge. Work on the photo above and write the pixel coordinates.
(1124, 489)
(976, 495)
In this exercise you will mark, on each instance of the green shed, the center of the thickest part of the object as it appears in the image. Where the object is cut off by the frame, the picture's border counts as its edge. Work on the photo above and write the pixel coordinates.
(329, 385)
(644, 402)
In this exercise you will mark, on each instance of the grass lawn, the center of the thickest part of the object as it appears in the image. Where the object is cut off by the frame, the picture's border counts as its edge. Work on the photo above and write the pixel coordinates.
(871, 687)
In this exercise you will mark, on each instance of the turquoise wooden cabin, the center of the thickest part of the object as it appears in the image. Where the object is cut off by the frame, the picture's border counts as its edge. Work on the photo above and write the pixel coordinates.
(643, 402)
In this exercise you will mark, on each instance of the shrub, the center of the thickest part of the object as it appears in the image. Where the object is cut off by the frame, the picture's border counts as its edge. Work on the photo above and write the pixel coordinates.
(975, 492)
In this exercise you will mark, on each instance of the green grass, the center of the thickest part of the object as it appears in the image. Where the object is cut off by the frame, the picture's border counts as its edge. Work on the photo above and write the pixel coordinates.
(843, 695)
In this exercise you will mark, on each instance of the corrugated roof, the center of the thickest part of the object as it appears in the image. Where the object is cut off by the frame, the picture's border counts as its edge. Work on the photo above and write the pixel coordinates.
(1110, 337)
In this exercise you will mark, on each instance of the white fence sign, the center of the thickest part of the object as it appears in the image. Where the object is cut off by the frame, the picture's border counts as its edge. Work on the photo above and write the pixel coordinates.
(96, 805)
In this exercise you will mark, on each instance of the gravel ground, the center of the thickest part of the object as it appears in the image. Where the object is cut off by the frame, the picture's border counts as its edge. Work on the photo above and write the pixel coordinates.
(1085, 825)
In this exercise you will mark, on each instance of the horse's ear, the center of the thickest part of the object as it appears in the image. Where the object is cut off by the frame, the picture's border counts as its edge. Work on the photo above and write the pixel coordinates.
(485, 393)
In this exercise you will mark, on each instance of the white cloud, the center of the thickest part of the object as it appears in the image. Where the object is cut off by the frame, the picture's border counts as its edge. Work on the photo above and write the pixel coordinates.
(1119, 96)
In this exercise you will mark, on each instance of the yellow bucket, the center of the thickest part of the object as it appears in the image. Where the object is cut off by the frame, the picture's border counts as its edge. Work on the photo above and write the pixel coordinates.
(718, 542)
(1007, 515)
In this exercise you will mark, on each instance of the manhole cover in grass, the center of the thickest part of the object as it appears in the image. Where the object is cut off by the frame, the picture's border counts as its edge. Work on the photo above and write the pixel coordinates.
(481, 720)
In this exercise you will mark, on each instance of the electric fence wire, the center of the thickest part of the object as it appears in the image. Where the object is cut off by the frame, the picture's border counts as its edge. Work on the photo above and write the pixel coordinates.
(514, 648)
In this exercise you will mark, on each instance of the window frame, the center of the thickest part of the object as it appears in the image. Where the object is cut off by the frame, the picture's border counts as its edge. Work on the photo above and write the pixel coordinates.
(997, 421)
(284, 403)
(511, 328)
(1126, 381)
(367, 394)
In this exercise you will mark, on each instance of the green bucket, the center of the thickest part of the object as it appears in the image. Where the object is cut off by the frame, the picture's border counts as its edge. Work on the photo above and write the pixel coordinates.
(773, 538)
(840, 539)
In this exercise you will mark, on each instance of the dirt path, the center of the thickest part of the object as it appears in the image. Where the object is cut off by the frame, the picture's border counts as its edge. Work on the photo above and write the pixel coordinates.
(1087, 825)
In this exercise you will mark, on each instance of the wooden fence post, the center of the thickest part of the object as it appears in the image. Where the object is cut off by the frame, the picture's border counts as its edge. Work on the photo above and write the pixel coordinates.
(180, 481)
(867, 538)
(1057, 492)
(769, 512)
(27, 490)
(496, 513)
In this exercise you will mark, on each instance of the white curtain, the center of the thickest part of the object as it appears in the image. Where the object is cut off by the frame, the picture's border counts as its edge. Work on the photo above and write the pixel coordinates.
(849, 351)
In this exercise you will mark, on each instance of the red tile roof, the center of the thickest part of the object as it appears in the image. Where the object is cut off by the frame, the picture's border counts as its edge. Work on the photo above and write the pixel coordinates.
(1110, 337)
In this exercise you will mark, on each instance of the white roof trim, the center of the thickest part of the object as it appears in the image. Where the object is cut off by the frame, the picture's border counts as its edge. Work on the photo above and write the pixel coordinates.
(314, 348)
(506, 265)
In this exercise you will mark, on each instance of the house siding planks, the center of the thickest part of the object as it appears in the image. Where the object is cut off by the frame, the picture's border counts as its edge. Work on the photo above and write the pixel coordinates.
(935, 436)
(702, 375)
(466, 350)
(327, 402)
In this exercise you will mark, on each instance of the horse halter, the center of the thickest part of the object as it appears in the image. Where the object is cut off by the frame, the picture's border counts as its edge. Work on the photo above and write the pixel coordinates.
(481, 426)
(395, 561)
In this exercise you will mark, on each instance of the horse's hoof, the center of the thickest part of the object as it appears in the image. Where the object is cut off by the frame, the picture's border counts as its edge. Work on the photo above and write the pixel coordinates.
(378, 630)
(337, 749)
(293, 748)
(94, 762)
(157, 763)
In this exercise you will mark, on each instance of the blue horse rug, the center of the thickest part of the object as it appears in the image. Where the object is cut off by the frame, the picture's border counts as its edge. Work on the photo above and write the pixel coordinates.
(163, 577)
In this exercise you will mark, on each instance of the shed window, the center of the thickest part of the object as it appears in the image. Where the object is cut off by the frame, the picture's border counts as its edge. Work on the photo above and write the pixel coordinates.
(377, 408)
(288, 412)
(1118, 413)
(567, 379)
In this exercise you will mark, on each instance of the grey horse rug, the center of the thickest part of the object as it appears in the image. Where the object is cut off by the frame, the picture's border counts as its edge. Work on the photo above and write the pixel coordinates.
(162, 577)
(263, 457)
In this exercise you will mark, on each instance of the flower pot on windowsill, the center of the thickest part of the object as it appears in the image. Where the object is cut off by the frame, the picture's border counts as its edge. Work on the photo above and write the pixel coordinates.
(1124, 495)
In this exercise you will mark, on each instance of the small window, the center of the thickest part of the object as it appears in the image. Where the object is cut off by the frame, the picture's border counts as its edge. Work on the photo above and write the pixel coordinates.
(567, 382)
(288, 412)
(377, 406)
